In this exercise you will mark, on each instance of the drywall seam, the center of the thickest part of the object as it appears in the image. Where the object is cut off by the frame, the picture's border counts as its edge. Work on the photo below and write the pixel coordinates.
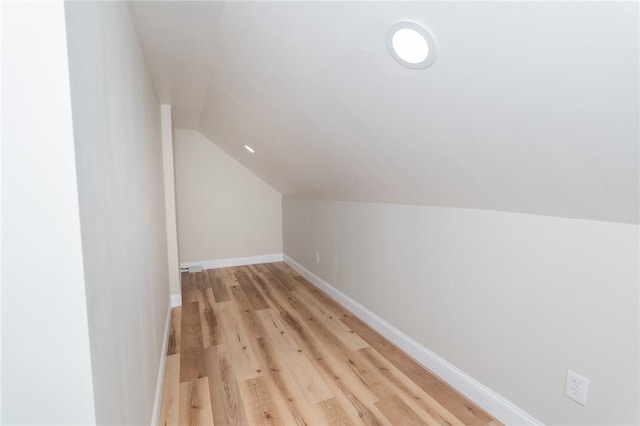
(496, 405)
(237, 261)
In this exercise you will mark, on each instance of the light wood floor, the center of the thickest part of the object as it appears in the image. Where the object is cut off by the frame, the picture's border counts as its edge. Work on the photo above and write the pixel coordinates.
(261, 345)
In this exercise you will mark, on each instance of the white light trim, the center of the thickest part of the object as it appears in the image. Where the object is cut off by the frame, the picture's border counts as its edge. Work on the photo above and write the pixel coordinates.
(248, 148)
(411, 45)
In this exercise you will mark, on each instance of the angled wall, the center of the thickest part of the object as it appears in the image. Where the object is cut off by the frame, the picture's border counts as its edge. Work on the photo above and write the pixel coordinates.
(513, 300)
(116, 116)
(224, 211)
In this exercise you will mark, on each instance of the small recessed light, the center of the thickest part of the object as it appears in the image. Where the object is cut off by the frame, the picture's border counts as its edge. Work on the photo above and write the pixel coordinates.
(411, 44)
(248, 148)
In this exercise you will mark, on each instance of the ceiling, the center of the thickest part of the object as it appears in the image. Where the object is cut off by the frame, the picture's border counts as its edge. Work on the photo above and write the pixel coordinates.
(530, 107)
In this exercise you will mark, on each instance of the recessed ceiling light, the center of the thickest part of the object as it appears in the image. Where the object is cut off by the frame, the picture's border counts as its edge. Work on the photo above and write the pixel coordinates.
(248, 148)
(411, 45)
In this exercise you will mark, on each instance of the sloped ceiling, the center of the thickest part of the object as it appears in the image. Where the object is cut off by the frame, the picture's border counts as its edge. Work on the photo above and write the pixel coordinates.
(530, 107)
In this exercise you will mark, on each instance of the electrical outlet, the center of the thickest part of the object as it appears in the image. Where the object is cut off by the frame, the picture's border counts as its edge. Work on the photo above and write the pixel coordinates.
(317, 258)
(576, 387)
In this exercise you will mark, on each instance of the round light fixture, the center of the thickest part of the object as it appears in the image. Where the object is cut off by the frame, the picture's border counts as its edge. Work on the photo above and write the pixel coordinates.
(411, 45)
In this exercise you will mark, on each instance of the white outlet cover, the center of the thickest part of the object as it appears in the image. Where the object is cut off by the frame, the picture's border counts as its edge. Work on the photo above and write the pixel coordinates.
(576, 387)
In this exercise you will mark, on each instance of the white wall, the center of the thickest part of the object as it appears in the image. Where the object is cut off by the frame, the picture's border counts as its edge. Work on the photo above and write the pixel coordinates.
(46, 367)
(0, 222)
(224, 211)
(513, 300)
(116, 117)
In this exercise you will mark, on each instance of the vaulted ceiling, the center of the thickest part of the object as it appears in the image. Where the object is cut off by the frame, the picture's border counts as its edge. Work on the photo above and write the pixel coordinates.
(529, 107)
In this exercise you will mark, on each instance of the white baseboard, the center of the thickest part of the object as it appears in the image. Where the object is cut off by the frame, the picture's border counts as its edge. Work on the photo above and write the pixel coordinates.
(157, 400)
(237, 261)
(496, 405)
(176, 300)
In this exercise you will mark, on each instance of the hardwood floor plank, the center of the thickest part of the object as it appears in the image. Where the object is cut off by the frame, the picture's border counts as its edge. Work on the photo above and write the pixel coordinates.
(268, 286)
(311, 385)
(353, 402)
(259, 344)
(363, 412)
(336, 364)
(292, 273)
(173, 346)
(226, 402)
(195, 403)
(300, 319)
(227, 276)
(250, 321)
(301, 282)
(397, 412)
(426, 404)
(322, 297)
(419, 400)
(188, 287)
(366, 373)
(278, 375)
(218, 286)
(170, 392)
(191, 333)
(317, 340)
(330, 319)
(271, 279)
(333, 413)
(258, 268)
(206, 280)
(264, 407)
(210, 323)
(192, 364)
(463, 409)
(240, 347)
(287, 281)
(201, 280)
(338, 376)
(285, 306)
(255, 298)
(355, 410)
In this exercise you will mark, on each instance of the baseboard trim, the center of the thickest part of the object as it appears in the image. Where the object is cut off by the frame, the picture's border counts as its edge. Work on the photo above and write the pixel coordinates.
(236, 261)
(157, 400)
(176, 300)
(496, 405)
